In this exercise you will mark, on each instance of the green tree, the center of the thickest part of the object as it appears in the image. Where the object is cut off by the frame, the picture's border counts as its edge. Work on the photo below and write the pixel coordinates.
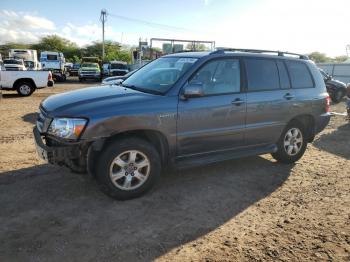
(4, 49)
(113, 51)
(318, 57)
(341, 59)
(56, 43)
(197, 47)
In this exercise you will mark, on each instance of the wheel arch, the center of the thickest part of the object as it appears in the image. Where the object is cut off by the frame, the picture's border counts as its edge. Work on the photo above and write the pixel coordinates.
(154, 137)
(308, 121)
(24, 80)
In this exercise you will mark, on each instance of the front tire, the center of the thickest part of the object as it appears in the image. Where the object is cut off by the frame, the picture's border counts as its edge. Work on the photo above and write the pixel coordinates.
(128, 168)
(292, 143)
(25, 88)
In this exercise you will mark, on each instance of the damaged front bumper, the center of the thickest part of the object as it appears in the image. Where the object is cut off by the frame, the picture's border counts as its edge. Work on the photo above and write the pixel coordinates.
(55, 154)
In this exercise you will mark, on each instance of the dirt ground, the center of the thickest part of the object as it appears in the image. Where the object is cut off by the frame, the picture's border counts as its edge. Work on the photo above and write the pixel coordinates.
(251, 209)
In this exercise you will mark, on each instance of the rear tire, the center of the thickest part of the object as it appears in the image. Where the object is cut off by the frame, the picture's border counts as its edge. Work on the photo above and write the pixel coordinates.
(292, 143)
(128, 168)
(338, 96)
(25, 88)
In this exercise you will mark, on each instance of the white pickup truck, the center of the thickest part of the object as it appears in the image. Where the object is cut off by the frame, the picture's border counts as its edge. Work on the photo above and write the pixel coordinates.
(24, 82)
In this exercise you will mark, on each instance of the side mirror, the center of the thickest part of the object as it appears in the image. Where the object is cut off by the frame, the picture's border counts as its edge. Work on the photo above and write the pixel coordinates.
(193, 90)
(117, 82)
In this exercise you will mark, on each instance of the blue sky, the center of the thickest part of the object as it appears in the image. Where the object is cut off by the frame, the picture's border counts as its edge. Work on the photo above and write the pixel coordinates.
(293, 25)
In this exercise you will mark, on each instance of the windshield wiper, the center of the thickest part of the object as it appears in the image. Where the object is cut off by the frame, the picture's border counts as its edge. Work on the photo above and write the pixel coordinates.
(154, 92)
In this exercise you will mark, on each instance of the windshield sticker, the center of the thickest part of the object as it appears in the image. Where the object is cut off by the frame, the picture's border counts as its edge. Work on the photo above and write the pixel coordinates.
(187, 60)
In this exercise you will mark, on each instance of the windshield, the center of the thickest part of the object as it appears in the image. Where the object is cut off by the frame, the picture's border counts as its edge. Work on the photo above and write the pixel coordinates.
(12, 62)
(160, 75)
(90, 65)
(76, 66)
(51, 57)
(118, 66)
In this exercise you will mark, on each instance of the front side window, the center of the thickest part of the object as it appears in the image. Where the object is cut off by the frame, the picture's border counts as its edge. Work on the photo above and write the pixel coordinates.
(262, 74)
(299, 74)
(219, 77)
(160, 75)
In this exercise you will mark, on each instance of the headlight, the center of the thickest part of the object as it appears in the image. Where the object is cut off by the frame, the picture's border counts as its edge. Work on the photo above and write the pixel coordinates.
(68, 128)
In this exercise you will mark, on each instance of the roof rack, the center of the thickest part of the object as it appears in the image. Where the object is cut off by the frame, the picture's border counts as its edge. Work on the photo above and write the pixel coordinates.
(222, 50)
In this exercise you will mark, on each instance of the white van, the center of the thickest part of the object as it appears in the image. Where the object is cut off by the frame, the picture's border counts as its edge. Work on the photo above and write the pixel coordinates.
(54, 62)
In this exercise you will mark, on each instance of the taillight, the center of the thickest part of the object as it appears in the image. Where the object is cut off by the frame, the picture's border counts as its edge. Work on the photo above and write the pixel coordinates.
(328, 104)
(49, 76)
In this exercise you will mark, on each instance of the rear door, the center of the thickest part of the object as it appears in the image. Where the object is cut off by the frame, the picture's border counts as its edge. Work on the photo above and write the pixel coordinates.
(216, 121)
(269, 100)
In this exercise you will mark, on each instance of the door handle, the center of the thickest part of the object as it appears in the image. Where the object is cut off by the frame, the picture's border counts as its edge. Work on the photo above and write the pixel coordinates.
(237, 102)
(288, 96)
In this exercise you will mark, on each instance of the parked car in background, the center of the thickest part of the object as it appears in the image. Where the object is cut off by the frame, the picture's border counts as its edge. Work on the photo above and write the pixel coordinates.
(14, 64)
(116, 80)
(336, 89)
(183, 110)
(54, 62)
(73, 71)
(118, 68)
(105, 69)
(89, 71)
(25, 82)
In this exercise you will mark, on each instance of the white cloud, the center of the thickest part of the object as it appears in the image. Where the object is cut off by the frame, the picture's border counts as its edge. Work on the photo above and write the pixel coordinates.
(23, 27)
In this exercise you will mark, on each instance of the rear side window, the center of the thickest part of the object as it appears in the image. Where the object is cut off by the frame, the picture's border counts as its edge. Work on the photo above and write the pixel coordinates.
(284, 79)
(299, 75)
(262, 74)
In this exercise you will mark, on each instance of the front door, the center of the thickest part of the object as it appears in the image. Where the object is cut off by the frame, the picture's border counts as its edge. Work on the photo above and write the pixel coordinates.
(215, 121)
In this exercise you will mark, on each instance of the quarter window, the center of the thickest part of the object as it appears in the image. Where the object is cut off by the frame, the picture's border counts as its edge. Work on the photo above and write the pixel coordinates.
(299, 75)
(262, 74)
(219, 77)
(284, 79)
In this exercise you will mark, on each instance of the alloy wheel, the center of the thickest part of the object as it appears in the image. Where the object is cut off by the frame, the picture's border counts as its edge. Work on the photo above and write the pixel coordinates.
(129, 170)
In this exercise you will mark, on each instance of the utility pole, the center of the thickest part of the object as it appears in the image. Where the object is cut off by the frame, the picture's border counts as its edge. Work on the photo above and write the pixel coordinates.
(103, 19)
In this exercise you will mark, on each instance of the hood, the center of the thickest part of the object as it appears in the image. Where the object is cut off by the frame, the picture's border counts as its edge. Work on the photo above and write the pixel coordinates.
(336, 83)
(13, 65)
(93, 100)
(115, 69)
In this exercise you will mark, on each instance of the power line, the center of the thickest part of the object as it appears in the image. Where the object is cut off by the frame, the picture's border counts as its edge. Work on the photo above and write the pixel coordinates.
(151, 24)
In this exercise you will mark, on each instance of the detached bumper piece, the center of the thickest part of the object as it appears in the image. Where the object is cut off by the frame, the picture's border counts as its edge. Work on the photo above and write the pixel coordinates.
(54, 154)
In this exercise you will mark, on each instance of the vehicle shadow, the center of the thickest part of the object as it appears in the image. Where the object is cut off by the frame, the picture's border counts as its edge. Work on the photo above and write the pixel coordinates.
(30, 118)
(337, 142)
(11, 95)
(50, 214)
